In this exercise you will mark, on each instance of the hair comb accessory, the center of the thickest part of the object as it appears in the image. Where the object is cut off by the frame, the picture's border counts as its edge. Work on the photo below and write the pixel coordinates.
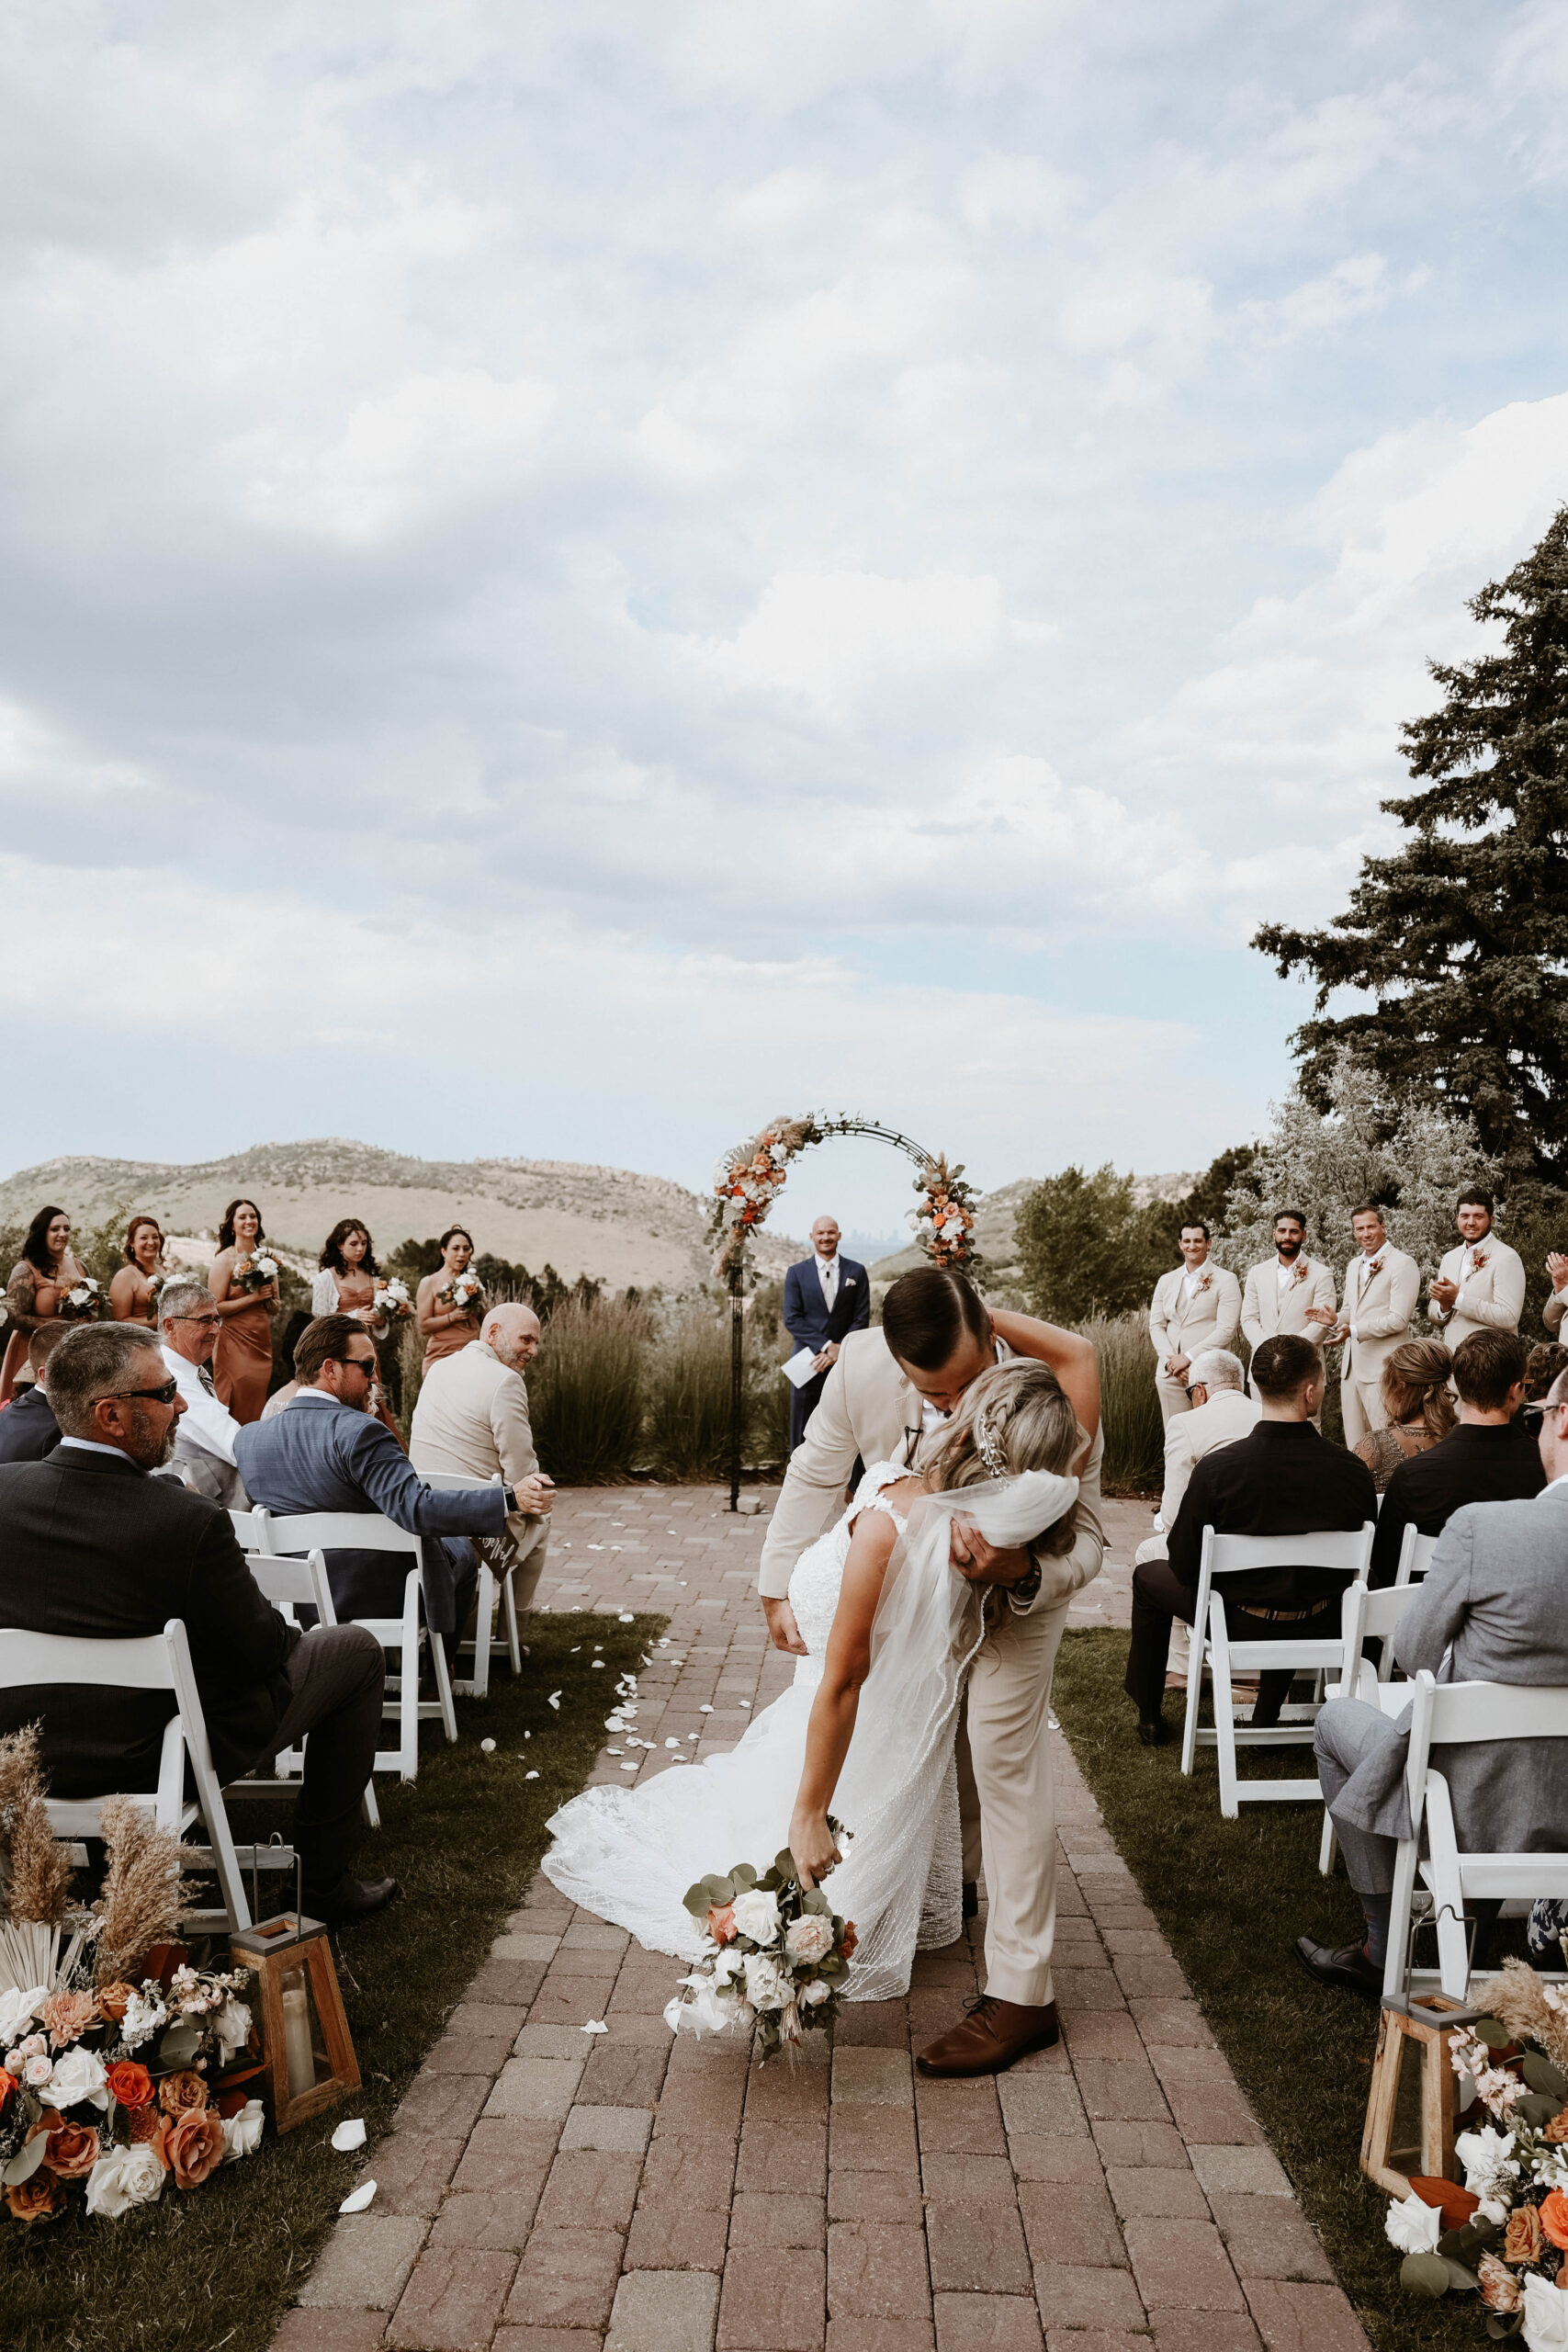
(988, 1445)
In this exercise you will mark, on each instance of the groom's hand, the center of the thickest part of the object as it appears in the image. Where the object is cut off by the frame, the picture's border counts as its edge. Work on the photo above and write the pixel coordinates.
(981, 1562)
(782, 1631)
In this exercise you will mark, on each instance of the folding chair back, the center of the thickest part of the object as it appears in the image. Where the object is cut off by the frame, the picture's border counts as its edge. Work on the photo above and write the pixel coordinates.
(1414, 1555)
(454, 1482)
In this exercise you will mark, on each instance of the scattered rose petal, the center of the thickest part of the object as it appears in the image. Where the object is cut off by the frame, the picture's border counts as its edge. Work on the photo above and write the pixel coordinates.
(360, 2198)
(350, 2135)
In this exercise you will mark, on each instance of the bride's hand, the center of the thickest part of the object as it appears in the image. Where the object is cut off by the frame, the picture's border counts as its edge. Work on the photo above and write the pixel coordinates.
(812, 1845)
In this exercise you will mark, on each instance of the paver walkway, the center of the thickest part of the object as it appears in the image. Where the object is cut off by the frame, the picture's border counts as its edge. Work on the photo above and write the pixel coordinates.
(545, 2190)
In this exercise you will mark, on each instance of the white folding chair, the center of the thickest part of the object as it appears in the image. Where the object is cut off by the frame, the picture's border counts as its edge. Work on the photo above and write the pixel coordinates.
(1414, 1554)
(291, 1584)
(452, 1482)
(1211, 1645)
(146, 1662)
(328, 1531)
(1367, 1616)
(1453, 1714)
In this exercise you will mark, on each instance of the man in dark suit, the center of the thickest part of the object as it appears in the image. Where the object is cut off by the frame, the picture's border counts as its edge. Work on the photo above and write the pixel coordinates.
(324, 1451)
(27, 1426)
(1281, 1479)
(91, 1545)
(1490, 1456)
(826, 1297)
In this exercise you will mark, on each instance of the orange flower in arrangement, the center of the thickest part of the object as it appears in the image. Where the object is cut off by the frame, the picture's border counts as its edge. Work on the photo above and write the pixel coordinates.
(130, 2084)
(73, 2151)
(1554, 2218)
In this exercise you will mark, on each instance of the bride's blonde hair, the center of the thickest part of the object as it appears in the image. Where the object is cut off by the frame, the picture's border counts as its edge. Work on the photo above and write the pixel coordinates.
(1018, 1414)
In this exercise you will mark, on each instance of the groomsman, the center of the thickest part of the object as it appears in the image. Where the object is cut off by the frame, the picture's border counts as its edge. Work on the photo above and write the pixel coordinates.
(826, 1296)
(1289, 1292)
(1382, 1287)
(1196, 1306)
(1481, 1285)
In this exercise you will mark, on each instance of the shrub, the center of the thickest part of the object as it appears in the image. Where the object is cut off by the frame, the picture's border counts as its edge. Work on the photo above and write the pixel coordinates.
(689, 1398)
(1129, 1408)
(586, 1390)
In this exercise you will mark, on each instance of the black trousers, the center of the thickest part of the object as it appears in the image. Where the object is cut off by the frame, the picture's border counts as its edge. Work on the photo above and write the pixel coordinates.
(338, 1678)
(1158, 1598)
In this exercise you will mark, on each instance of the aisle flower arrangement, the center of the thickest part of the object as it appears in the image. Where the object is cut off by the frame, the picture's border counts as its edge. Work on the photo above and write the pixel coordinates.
(776, 1956)
(944, 1223)
(748, 1179)
(114, 2051)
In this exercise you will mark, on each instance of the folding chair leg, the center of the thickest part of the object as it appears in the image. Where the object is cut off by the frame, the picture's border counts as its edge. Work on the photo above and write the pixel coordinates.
(509, 1603)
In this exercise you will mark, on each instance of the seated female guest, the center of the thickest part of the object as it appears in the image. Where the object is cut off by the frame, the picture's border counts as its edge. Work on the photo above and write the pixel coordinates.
(1420, 1408)
(246, 1293)
(46, 1270)
(131, 1291)
(450, 1305)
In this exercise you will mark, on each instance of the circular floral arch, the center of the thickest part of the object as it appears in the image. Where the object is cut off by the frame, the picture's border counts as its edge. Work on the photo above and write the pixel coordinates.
(750, 1178)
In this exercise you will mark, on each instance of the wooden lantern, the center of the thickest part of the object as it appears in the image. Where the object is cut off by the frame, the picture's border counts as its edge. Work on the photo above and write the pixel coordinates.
(1410, 2113)
(306, 2049)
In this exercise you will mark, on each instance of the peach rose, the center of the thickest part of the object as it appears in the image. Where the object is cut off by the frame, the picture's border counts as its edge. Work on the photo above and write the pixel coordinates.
(1554, 2218)
(130, 2084)
(73, 2151)
(1524, 2239)
(149, 2128)
(177, 2093)
(36, 2199)
(114, 2001)
(193, 2145)
(721, 1923)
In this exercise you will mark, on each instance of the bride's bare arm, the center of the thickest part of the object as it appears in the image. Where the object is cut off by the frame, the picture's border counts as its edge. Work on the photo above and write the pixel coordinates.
(1070, 1357)
(837, 1702)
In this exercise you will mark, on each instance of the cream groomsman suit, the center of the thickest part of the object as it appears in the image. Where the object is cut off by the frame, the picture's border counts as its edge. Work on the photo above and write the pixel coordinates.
(1491, 1295)
(1378, 1307)
(1188, 1313)
(1009, 1824)
(1270, 1306)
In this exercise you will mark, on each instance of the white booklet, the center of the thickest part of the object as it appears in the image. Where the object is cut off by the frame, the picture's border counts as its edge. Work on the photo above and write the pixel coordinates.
(801, 1367)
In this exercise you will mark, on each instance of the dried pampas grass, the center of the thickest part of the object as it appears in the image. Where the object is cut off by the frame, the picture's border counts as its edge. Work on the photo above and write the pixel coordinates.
(1528, 2007)
(141, 1897)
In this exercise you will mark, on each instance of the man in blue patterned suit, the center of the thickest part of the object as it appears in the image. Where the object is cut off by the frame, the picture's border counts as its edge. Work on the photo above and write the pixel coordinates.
(825, 1297)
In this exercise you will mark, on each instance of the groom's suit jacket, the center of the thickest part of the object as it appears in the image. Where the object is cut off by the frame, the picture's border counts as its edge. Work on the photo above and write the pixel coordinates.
(871, 1411)
(1266, 1311)
(1181, 1326)
(1494, 1296)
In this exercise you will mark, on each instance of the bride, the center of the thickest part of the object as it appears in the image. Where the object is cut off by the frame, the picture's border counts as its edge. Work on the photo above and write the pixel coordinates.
(868, 1727)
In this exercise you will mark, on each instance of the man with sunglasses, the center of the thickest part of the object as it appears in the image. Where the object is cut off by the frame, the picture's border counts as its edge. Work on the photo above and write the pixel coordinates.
(188, 1325)
(91, 1545)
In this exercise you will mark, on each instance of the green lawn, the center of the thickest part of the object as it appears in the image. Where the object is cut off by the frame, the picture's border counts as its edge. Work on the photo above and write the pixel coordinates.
(215, 2267)
(1232, 1897)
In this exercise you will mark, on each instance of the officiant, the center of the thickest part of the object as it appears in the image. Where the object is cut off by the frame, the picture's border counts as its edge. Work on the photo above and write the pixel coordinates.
(826, 1296)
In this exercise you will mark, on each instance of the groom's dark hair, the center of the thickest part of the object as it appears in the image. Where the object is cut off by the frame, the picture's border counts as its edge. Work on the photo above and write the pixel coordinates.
(926, 1315)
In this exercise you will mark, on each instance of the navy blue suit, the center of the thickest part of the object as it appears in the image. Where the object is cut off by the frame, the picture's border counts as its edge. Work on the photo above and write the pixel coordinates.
(810, 1325)
(28, 1428)
(319, 1454)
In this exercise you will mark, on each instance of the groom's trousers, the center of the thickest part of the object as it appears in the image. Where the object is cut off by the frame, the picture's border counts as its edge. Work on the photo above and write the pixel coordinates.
(1006, 1800)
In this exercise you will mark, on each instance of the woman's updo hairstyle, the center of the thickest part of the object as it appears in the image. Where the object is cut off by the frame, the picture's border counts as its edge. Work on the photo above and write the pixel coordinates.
(1022, 1414)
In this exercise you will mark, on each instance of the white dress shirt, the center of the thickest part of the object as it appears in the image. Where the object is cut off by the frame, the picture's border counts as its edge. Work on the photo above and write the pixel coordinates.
(205, 1422)
(827, 1275)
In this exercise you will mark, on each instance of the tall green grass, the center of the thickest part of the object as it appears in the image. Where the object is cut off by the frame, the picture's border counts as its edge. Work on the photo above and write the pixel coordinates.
(1129, 1408)
(587, 1390)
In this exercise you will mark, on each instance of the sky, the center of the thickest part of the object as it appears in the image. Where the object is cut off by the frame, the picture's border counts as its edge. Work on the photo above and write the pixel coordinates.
(577, 577)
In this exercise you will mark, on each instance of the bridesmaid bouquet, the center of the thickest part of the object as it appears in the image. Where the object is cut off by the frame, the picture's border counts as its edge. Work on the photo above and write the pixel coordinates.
(84, 1303)
(257, 1274)
(776, 1956)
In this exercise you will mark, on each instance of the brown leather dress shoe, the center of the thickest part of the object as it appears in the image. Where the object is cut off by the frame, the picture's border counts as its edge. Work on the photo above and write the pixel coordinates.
(989, 2039)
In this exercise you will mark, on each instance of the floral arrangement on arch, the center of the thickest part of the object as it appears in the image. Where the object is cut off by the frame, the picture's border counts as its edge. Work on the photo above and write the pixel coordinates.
(943, 1224)
(776, 1954)
(122, 2068)
(1504, 2234)
(748, 1179)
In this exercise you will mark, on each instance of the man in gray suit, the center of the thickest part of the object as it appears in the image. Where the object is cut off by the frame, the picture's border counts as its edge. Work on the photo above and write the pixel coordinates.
(1492, 1607)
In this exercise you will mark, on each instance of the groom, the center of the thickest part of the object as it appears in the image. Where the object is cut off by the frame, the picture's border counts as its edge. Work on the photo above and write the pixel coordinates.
(887, 1392)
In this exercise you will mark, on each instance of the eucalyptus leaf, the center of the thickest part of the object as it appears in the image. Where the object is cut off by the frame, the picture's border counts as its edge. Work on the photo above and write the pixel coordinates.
(1542, 2075)
(25, 2162)
(1424, 2274)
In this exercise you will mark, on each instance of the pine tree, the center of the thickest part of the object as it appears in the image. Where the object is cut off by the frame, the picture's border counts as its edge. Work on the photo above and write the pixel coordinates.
(1461, 936)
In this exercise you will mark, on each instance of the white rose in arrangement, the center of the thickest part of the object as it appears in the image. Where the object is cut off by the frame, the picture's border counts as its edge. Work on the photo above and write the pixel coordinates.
(757, 1916)
(767, 1986)
(78, 2079)
(810, 1937)
(242, 2133)
(1414, 2227)
(1546, 2315)
(18, 2008)
(123, 2177)
(232, 2026)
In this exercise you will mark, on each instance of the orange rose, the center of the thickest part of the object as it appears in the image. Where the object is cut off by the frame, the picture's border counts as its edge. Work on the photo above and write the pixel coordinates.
(194, 2144)
(1554, 2218)
(178, 2092)
(148, 2129)
(850, 1939)
(721, 1923)
(36, 2199)
(130, 2084)
(1523, 2240)
(73, 2151)
(115, 1999)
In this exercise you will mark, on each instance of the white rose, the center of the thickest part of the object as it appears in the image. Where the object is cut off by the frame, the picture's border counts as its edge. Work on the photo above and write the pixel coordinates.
(123, 2177)
(18, 2008)
(757, 1916)
(78, 2079)
(810, 1937)
(767, 1987)
(242, 2133)
(232, 2026)
(818, 1990)
(1546, 2315)
(1414, 2227)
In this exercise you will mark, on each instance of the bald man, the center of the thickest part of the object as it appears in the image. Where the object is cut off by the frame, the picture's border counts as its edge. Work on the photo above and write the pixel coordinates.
(826, 1296)
(472, 1418)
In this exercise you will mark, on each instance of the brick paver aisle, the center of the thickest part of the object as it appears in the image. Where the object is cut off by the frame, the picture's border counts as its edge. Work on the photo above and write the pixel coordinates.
(545, 2191)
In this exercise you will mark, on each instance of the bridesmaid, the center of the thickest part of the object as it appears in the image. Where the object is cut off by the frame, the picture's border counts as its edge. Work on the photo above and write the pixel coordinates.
(447, 1325)
(346, 1284)
(45, 1271)
(131, 1293)
(241, 1362)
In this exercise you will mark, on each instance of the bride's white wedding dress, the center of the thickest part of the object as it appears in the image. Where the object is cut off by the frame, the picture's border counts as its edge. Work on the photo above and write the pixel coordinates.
(629, 1855)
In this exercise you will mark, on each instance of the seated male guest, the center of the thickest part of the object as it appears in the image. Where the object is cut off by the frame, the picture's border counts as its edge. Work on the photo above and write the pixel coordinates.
(1490, 1456)
(27, 1426)
(328, 1453)
(1490, 1611)
(188, 1325)
(472, 1420)
(825, 1298)
(1218, 1410)
(1281, 1479)
(90, 1544)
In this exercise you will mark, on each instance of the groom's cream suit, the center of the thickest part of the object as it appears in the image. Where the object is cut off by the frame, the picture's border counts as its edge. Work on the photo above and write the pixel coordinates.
(1185, 1317)
(868, 1409)
(1491, 1295)
(1378, 1307)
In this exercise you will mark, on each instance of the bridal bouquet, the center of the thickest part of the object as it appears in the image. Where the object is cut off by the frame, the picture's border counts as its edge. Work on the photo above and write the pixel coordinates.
(84, 1303)
(392, 1301)
(776, 1957)
(255, 1273)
